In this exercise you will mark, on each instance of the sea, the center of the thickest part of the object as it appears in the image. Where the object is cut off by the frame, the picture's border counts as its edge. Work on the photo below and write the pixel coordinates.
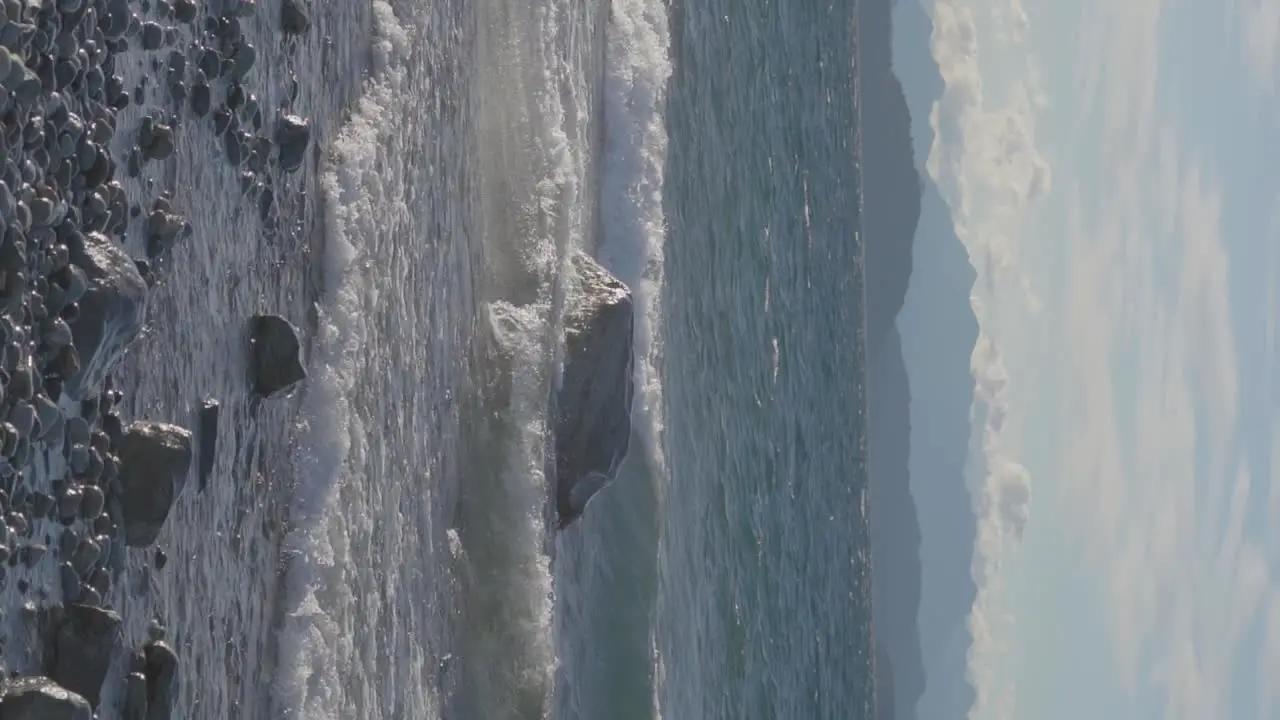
(377, 544)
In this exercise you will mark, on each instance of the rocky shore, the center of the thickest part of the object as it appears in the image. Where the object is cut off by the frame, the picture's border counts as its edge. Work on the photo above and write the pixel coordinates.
(96, 96)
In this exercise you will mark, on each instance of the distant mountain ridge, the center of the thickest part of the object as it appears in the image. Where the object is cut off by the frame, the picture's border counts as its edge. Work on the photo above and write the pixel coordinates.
(939, 331)
(921, 326)
(891, 208)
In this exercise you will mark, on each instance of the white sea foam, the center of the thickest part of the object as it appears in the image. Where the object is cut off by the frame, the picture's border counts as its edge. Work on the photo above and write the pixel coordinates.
(532, 138)
(314, 646)
(635, 147)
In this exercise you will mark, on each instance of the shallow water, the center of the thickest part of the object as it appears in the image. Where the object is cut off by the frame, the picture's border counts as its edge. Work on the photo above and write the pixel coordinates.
(376, 545)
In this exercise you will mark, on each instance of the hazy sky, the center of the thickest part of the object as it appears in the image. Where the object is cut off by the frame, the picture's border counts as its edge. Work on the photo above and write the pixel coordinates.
(1111, 166)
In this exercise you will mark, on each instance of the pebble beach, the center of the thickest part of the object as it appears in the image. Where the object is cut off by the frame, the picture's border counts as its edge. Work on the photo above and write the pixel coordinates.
(159, 163)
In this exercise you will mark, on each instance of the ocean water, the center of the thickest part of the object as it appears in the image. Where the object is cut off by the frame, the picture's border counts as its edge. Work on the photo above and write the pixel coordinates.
(763, 606)
(376, 545)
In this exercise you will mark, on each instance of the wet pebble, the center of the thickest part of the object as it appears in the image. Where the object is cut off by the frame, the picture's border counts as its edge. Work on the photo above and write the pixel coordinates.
(18, 523)
(78, 430)
(85, 557)
(32, 554)
(184, 11)
(78, 458)
(67, 543)
(152, 35)
(41, 504)
(221, 120)
(91, 502)
(69, 503)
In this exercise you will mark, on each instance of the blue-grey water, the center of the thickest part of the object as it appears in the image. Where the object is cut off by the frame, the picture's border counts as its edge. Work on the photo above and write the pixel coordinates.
(763, 592)
(376, 546)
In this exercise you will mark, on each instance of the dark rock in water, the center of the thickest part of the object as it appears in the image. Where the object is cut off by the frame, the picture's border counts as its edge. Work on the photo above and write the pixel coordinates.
(275, 355)
(112, 310)
(39, 698)
(210, 64)
(161, 559)
(222, 118)
(593, 406)
(207, 439)
(228, 30)
(162, 231)
(159, 145)
(92, 502)
(294, 18)
(293, 135)
(242, 62)
(154, 460)
(113, 427)
(85, 556)
(86, 639)
(184, 11)
(68, 502)
(177, 65)
(201, 99)
(235, 96)
(67, 543)
(135, 698)
(41, 504)
(266, 201)
(32, 554)
(162, 675)
(233, 146)
(152, 35)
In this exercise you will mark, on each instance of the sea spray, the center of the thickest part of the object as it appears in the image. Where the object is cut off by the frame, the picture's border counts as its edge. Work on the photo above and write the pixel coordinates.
(529, 217)
(506, 604)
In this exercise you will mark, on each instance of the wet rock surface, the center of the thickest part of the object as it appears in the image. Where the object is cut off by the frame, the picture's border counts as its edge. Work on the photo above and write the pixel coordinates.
(112, 301)
(85, 644)
(39, 698)
(593, 406)
(154, 460)
(275, 355)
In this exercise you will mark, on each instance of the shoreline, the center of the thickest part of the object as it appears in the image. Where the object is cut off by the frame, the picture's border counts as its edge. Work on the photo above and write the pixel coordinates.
(219, 260)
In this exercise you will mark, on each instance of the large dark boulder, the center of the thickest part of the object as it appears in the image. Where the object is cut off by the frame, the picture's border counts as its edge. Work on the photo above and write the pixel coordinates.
(593, 405)
(39, 698)
(275, 355)
(112, 310)
(85, 641)
(154, 460)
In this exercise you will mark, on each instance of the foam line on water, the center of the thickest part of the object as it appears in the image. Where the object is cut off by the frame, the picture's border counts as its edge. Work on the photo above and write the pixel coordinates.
(309, 681)
(637, 67)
